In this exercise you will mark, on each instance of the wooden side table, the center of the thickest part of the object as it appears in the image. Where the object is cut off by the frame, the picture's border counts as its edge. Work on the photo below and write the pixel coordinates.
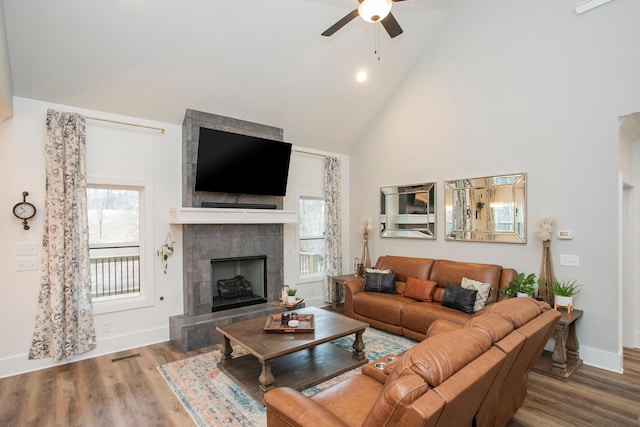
(338, 283)
(565, 358)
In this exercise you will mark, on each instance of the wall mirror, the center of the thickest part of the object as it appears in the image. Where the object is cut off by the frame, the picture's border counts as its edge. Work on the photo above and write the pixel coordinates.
(487, 209)
(408, 211)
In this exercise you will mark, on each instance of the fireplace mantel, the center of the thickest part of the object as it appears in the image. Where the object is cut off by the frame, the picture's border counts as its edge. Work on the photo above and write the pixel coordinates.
(231, 216)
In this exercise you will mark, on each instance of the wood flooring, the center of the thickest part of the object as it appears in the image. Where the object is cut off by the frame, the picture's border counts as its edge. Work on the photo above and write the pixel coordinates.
(126, 389)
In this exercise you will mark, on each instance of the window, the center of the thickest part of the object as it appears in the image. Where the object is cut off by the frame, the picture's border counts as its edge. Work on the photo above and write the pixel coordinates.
(312, 236)
(116, 217)
(114, 241)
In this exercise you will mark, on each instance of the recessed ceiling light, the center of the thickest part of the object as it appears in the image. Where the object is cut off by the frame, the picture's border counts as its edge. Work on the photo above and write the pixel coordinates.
(361, 76)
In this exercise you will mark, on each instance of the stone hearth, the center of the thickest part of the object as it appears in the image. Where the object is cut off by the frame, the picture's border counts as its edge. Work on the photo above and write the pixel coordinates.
(202, 242)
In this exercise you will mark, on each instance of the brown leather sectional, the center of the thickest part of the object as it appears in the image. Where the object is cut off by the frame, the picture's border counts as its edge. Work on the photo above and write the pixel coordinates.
(400, 315)
(473, 374)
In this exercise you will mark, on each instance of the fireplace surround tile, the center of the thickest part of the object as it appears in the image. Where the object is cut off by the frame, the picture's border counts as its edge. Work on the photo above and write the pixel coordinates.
(202, 242)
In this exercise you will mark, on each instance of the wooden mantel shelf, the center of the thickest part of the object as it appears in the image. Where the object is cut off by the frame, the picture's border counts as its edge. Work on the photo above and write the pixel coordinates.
(231, 216)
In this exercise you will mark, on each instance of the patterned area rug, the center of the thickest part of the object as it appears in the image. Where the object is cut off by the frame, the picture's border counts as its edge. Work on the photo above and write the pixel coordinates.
(213, 399)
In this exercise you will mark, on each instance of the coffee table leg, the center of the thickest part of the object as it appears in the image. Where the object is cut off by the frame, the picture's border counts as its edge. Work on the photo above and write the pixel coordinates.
(226, 354)
(266, 377)
(358, 346)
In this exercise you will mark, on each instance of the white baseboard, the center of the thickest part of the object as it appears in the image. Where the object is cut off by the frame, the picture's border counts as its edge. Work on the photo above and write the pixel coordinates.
(601, 359)
(20, 363)
(315, 302)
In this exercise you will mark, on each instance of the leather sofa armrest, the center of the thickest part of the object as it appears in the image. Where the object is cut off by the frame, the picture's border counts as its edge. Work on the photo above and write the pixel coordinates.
(351, 287)
(288, 407)
(377, 369)
(439, 326)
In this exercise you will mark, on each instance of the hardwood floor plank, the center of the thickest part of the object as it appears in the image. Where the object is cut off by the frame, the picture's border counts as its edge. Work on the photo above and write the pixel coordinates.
(130, 391)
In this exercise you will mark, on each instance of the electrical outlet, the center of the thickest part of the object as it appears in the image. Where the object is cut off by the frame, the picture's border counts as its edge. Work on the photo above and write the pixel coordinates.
(570, 260)
(106, 326)
(26, 264)
(26, 249)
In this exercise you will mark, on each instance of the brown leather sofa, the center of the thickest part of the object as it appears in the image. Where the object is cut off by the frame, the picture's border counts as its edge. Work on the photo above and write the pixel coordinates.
(475, 374)
(400, 315)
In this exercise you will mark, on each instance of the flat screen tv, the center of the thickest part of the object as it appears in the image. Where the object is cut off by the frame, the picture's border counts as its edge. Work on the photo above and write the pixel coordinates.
(233, 163)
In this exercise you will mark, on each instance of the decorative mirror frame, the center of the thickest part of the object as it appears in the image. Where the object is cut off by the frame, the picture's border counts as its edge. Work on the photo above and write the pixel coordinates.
(487, 209)
(408, 211)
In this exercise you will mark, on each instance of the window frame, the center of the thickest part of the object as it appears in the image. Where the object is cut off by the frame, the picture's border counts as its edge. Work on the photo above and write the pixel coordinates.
(304, 278)
(145, 298)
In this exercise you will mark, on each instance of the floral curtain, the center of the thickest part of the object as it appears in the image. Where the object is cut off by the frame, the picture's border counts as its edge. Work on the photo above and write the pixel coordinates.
(332, 197)
(64, 322)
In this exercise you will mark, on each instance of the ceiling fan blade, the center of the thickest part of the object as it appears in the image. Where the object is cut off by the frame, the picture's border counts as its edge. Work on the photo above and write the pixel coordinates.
(341, 23)
(391, 25)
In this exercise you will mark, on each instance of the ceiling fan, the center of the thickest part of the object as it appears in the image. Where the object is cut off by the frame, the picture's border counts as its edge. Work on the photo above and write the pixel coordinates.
(371, 11)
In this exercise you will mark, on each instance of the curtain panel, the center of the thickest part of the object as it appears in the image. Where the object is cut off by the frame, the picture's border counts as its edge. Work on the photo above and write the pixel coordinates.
(64, 322)
(333, 205)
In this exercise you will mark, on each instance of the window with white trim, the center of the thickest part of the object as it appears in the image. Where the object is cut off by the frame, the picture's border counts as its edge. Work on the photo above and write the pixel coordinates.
(116, 215)
(312, 236)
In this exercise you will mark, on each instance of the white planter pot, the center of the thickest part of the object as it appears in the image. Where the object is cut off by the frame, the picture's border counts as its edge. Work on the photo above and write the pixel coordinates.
(522, 295)
(291, 299)
(563, 301)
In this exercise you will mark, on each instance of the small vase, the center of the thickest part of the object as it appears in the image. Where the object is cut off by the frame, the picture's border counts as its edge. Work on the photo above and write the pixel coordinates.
(291, 299)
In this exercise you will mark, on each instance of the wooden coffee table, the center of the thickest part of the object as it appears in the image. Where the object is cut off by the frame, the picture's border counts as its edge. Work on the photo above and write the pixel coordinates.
(298, 360)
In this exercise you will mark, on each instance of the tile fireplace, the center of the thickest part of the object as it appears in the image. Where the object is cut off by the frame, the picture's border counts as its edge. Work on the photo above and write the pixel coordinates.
(223, 240)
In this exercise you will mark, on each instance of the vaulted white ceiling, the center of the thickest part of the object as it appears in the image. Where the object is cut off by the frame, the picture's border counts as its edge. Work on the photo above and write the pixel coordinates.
(258, 60)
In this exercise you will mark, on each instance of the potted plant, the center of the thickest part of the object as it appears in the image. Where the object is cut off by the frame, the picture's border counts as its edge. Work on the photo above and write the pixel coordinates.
(521, 286)
(563, 292)
(291, 292)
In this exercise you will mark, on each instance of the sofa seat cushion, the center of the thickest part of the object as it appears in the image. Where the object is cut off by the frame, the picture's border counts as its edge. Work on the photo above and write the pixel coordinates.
(350, 407)
(418, 316)
(380, 306)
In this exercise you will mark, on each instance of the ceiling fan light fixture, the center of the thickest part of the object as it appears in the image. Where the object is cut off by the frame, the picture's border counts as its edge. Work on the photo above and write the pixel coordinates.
(374, 10)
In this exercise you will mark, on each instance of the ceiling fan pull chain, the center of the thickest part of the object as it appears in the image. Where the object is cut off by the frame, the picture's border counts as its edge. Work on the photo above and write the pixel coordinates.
(376, 49)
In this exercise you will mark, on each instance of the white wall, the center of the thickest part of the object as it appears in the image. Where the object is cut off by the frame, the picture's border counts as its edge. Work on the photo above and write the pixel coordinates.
(120, 152)
(6, 84)
(518, 87)
(112, 150)
(306, 178)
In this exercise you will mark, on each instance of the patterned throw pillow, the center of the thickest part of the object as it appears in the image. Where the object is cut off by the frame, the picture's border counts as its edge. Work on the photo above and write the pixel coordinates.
(459, 298)
(419, 289)
(484, 289)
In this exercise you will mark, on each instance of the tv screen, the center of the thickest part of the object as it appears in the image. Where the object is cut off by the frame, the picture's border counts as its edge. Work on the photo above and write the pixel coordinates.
(233, 163)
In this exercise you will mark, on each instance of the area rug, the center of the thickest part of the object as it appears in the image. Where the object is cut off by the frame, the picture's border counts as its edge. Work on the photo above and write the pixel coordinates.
(213, 399)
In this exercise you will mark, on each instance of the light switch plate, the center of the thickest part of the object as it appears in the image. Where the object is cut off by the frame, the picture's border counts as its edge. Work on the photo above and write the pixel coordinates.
(570, 260)
(26, 264)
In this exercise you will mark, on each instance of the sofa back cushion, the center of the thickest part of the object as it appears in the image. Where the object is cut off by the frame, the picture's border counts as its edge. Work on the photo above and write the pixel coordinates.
(445, 271)
(493, 324)
(517, 310)
(405, 267)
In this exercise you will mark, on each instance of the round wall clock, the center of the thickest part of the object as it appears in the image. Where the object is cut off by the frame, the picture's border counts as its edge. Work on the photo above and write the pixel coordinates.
(24, 210)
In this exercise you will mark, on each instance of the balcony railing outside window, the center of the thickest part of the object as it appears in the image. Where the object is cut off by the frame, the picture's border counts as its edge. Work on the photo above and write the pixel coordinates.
(115, 270)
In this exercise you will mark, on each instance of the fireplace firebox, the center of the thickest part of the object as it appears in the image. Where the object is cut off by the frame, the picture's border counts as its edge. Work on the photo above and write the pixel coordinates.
(238, 282)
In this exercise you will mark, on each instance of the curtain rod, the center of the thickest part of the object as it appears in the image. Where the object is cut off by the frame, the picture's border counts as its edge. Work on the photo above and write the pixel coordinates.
(308, 152)
(162, 130)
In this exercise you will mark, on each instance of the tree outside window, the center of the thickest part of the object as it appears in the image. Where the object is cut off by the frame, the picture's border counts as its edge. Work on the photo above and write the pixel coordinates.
(312, 236)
